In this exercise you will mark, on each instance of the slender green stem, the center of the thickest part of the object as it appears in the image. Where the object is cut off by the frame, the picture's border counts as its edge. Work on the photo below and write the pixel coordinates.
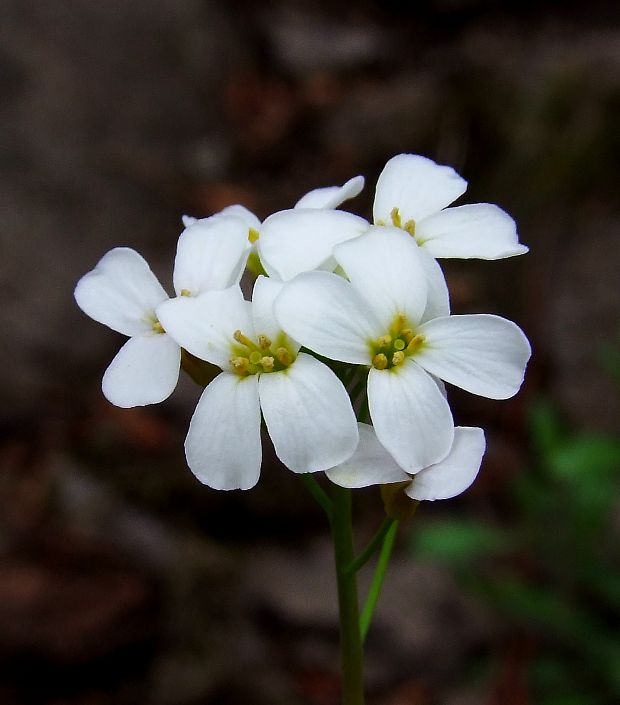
(377, 580)
(365, 555)
(350, 637)
(317, 492)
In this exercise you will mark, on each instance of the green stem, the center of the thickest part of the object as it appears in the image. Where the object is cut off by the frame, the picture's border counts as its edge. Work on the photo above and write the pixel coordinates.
(377, 580)
(365, 555)
(350, 638)
(317, 492)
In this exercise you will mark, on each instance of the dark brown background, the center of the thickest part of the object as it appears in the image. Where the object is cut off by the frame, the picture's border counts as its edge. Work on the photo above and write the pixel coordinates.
(123, 580)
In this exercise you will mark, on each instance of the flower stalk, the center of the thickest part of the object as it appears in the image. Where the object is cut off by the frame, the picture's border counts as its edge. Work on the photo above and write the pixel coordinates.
(351, 654)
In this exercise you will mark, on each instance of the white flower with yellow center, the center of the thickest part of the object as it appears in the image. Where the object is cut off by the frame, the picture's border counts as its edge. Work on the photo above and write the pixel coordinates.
(306, 409)
(371, 464)
(379, 319)
(412, 193)
(123, 293)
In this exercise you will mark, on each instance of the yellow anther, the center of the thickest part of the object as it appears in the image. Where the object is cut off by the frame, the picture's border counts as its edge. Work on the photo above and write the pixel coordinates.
(253, 235)
(384, 341)
(186, 292)
(399, 344)
(158, 328)
(240, 365)
(409, 226)
(284, 356)
(267, 363)
(395, 215)
(415, 343)
(255, 357)
(243, 339)
(407, 335)
(380, 361)
(263, 342)
(398, 358)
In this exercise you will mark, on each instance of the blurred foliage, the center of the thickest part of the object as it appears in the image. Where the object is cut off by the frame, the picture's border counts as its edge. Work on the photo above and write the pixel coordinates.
(553, 571)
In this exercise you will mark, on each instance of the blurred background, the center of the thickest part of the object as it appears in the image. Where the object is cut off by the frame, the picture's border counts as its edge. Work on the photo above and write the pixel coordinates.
(122, 579)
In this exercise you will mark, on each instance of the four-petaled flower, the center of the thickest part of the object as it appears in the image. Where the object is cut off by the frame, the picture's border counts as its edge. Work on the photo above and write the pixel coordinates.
(306, 409)
(412, 193)
(123, 293)
(377, 319)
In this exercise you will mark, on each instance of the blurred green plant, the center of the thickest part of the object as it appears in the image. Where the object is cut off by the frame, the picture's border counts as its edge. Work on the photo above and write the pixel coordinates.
(553, 572)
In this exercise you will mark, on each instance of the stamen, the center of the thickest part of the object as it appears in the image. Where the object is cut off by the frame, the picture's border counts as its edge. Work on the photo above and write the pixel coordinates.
(384, 341)
(409, 226)
(399, 344)
(407, 335)
(284, 356)
(253, 235)
(263, 342)
(186, 292)
(398, 358)
(395, 215)
(398, 324)
(241, 365)
(158, 328)
(243, 339)
(415, 343)
(267, 363)
(380, 361)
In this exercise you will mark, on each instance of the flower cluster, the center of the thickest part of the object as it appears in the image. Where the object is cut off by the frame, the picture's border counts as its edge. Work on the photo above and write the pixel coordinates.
(346, 316)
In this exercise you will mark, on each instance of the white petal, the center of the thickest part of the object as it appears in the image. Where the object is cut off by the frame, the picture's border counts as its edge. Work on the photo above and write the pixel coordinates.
(308, 415)
(265, 292)
(188, 220)
(332, 196)
(438, 299)
(121, 292)
(479, 230)
(204, 325)
(384, 267)
(246, 215)
(456, 472)
(211, 254)
(300, 240)
(480, 353)
(411, 416)
(417, 186)
(324, 312)
(144, 371)
(223, 444)
(371, 464)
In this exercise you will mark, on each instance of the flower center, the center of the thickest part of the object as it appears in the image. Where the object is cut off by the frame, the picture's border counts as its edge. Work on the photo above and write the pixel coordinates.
(391, 350)
(255, 357)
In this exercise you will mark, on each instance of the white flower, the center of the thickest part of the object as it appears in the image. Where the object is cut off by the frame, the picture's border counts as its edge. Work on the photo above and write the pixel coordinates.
(123, 293)
(377, 319)
(306, 409)
(325, 198)
(371, 464)
(412, 193)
